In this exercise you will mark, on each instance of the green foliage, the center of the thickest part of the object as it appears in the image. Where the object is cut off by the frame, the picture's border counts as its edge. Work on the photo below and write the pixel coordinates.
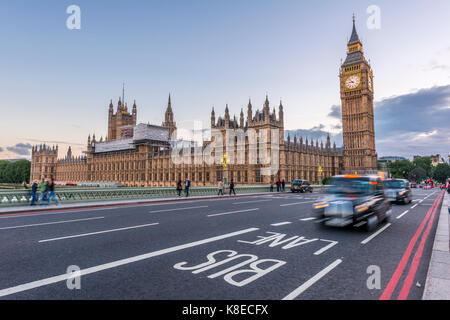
(15, 172)
(417, 174)
(326, 180)
(442, 172)
(424, 163)
(400, 169)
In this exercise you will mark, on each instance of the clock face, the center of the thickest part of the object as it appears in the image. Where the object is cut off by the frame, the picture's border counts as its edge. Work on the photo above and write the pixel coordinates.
(352, 82)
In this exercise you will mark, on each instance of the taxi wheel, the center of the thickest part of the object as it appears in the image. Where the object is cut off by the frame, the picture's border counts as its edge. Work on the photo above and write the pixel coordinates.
(372, 223)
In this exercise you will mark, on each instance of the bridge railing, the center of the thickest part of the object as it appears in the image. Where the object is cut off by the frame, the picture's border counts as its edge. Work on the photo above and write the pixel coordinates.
(65, 195)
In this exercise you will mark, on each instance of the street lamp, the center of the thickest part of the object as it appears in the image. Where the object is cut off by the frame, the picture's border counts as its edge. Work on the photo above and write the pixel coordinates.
(320, 175)
(224, 162)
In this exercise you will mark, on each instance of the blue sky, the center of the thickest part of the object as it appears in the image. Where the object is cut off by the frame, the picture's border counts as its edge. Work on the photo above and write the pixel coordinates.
(57, 82)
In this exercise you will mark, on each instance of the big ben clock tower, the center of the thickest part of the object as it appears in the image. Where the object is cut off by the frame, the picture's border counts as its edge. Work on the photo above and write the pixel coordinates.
(356, 79)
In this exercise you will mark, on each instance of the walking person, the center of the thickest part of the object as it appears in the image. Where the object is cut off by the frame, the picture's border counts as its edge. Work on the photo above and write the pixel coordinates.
(33, 192)
(51, 192)
(220, 187)
(187, 185)
(179, 188)
(232, 187)
(278, 185)
(283, 185)
(42, 187)
(271, 185)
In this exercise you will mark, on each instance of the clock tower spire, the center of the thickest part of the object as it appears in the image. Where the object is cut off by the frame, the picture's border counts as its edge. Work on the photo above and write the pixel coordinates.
(356, 85)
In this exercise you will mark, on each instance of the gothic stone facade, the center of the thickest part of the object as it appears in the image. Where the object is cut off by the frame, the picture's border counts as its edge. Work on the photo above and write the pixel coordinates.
(140, 155)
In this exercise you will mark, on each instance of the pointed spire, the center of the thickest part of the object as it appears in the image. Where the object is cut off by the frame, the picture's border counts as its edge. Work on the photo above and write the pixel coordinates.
(111, 106)
(354, 38)
(169, 104)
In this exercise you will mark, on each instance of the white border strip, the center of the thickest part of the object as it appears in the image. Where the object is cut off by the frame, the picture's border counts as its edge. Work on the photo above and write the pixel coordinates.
(48, 223)
(365, 241)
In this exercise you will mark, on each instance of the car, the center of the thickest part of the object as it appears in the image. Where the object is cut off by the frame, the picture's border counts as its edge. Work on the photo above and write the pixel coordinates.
(301, 186)
(353, 200)
(398, 190)
(413, 185)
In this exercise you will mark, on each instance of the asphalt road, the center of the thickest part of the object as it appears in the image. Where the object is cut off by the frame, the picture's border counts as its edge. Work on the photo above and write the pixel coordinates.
(264, 247)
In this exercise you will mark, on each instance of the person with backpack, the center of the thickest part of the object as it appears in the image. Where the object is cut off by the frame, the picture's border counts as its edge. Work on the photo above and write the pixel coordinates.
(187, 185)
(33, 192)
(232, 187)
(179, 188)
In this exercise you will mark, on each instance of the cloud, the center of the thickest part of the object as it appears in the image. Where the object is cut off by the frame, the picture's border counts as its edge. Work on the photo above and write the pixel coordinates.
(22, 149)
(416, 123)
(335, 112)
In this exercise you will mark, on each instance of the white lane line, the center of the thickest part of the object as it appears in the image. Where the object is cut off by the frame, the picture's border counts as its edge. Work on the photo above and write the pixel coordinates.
(414, 206)
(294, 294)
(365, 241)
(308, 219)
(257, 201)
(231, 212)
(280, 223)
(178, 209)
(332, 244)
(48, 223)
(98, 232)
(402, 214)
(110, 265)
(295, 203)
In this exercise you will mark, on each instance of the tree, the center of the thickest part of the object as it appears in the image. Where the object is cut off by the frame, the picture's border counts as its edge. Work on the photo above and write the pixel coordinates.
(417, 174)
(15, 172)
(442, 172)
(424, 163)
(400, 169)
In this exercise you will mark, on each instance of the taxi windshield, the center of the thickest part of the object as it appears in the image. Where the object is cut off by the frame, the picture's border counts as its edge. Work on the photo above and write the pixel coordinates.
(297, 182)
(394, 184)
(349, 186)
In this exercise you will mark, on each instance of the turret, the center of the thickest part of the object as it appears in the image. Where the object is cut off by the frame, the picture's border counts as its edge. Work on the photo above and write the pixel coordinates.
(249, 112)
(213, 118)
(241, 120)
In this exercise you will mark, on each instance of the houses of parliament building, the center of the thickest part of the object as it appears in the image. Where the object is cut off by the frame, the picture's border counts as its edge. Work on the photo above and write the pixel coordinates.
(140, 154)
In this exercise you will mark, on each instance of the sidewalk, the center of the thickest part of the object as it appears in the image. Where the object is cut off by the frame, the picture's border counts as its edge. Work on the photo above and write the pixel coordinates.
(437, 286)
(78, 205)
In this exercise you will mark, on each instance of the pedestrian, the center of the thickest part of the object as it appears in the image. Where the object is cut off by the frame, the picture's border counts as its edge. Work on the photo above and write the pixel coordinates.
(33, 192)
(51, 191)
(278, 185)
(271, 185)
(220, 187)
(187, 185)
(179, 188)
(283, 185)
(42, 191)
(232, 187)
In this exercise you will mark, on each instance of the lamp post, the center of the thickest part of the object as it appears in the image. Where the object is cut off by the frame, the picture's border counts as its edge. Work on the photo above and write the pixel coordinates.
(224, 162)
(320, 175)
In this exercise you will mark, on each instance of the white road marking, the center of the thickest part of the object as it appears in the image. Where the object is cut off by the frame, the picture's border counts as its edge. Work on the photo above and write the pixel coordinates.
(308, 219)
(98, 232)
(414, 206)
(231, 212)
(332, 244)
(295, 203)
(365, 241)
(177, 209)
(294, 294)
(110, 265)
(48, 223)
(402, 214)
(280, 224)
(257, 201)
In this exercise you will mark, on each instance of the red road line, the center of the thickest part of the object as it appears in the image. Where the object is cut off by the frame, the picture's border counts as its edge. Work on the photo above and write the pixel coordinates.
(417, 257)
(387, 293)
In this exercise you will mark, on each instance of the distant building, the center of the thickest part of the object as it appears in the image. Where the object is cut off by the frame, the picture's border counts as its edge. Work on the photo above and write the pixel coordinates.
(391, 158)
(435, 159)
